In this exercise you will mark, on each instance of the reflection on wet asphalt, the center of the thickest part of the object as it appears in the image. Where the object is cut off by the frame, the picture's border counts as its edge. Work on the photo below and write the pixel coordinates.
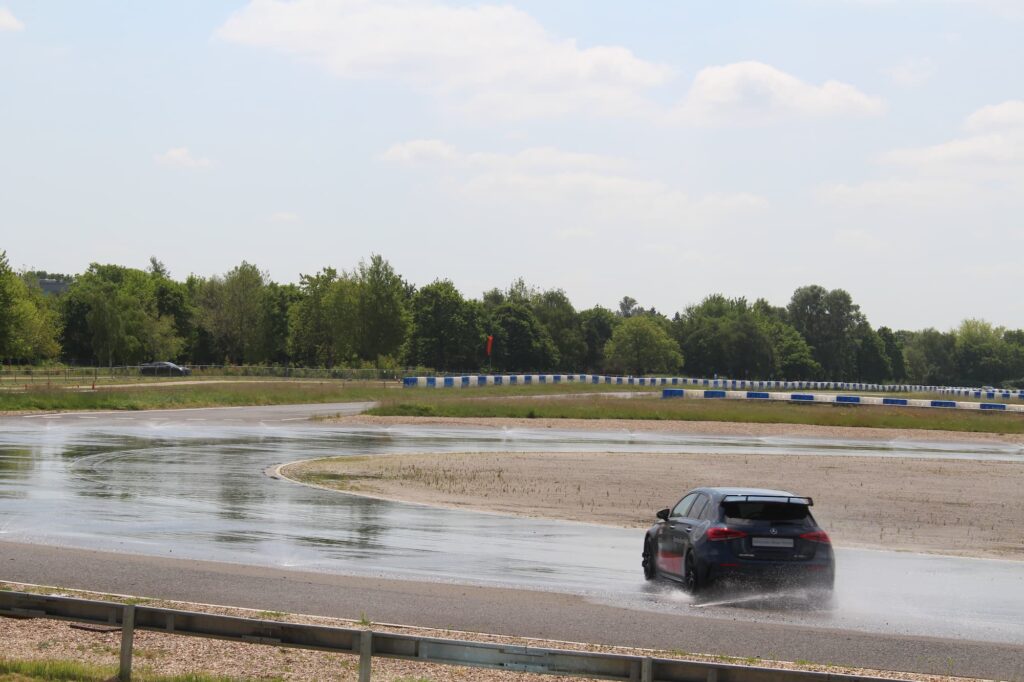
(164, 485)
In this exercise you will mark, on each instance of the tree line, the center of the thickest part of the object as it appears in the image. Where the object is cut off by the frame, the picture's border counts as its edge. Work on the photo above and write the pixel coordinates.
(372, 317)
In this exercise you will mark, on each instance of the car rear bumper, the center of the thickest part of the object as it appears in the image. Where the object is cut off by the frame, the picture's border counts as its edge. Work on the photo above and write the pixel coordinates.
(818, 574)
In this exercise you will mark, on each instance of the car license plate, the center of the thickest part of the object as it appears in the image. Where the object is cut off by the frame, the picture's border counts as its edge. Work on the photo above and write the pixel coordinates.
(771, 542)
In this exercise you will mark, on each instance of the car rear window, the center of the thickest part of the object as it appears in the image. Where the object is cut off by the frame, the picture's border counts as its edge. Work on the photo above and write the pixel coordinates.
(746, 512)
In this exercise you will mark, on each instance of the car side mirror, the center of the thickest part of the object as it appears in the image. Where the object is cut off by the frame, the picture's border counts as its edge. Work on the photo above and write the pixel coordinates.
(663, 514)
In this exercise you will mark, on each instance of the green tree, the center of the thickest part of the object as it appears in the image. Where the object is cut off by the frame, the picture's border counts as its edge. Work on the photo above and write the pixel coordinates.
(273, 339)
(310, 334)
(118, 315)
(872, 358)
(8, 297)
(447, 330)
(982, 355)
(628, 307)
(794, 359)
(559, 317)
(342, 317)
(231, 310)
(521, 343)
(721, 336)
(640, 345)
(110, 318)
(383, 316)
(28, 323)
(931, 357)
(894, 352)
(827, 320)
(598, 324)
(171, 299)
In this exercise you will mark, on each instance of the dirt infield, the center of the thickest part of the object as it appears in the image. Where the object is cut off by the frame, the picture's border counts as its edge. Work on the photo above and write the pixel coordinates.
(957, 507)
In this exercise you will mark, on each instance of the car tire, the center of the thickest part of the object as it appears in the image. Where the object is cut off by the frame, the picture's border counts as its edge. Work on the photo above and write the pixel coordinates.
(649, 562)
(691, 576)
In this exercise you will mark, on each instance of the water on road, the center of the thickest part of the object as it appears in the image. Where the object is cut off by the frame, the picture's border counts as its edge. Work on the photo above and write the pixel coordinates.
(193, 484)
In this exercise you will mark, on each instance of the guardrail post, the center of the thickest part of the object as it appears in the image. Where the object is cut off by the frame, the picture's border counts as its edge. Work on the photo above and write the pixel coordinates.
(365, 655)
(647, 670)
(124, 672)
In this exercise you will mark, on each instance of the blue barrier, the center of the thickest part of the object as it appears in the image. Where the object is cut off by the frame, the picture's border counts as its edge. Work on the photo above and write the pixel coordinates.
(431, 381)
(714, 394)
(943, 403)
(673, 393)
(993, 406)
(757, 395)
(895, 401)
(851, 399)
(802, 397)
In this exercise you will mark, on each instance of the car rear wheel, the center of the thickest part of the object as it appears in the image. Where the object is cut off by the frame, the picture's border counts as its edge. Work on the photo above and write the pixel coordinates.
(649, 556)
(691, 578)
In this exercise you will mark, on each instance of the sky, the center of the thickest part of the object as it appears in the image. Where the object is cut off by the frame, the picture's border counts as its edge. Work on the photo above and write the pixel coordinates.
(661, 150)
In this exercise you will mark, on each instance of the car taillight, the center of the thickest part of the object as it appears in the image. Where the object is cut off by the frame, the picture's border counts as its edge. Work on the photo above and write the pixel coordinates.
(717, 533)
(817, 536)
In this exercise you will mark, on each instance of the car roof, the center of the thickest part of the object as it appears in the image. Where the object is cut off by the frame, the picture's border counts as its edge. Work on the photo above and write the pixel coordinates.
(722, 492)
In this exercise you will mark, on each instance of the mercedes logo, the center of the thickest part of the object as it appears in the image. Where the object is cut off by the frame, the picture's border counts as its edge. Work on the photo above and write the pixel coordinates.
(773, 531)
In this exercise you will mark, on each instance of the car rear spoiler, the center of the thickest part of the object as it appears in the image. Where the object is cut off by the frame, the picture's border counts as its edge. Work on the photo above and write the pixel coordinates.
(784, 499)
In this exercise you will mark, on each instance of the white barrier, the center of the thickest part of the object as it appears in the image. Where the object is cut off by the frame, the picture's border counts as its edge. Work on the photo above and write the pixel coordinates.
(474, 380)
(837, 399)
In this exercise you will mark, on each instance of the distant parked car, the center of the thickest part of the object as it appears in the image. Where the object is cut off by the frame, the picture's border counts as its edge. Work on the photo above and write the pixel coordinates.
(742, 534)
(164, 369)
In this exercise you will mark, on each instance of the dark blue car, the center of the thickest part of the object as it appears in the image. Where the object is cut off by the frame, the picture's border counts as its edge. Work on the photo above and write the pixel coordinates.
(741, 534)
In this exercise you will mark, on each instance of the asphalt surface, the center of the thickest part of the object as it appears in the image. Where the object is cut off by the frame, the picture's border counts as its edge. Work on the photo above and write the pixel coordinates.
(495, 610)
(191, 484)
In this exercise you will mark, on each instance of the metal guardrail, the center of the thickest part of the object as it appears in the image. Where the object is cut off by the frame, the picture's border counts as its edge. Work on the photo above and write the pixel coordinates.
(366, 644)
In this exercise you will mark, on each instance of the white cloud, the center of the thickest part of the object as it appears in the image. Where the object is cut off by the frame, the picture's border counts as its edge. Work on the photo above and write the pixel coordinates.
(859, 240)
(995, 136)
(284, 217)
(981, 170)
(8, 22)
(911, 72)
(1007, 8)
(535, 158)
(183, 158)
(499, 62)
(1008, 115)
(753, 92)
(574, 233)
(488, 59)
(545, 179)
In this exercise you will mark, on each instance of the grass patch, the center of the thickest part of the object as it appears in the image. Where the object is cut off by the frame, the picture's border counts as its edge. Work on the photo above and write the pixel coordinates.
(716, 410)
(413, 410)
(21, 671)
(276, 392)
(190, 395)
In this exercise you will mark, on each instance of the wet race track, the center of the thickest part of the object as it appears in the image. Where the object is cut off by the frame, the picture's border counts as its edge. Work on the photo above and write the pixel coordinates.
(193, 484)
